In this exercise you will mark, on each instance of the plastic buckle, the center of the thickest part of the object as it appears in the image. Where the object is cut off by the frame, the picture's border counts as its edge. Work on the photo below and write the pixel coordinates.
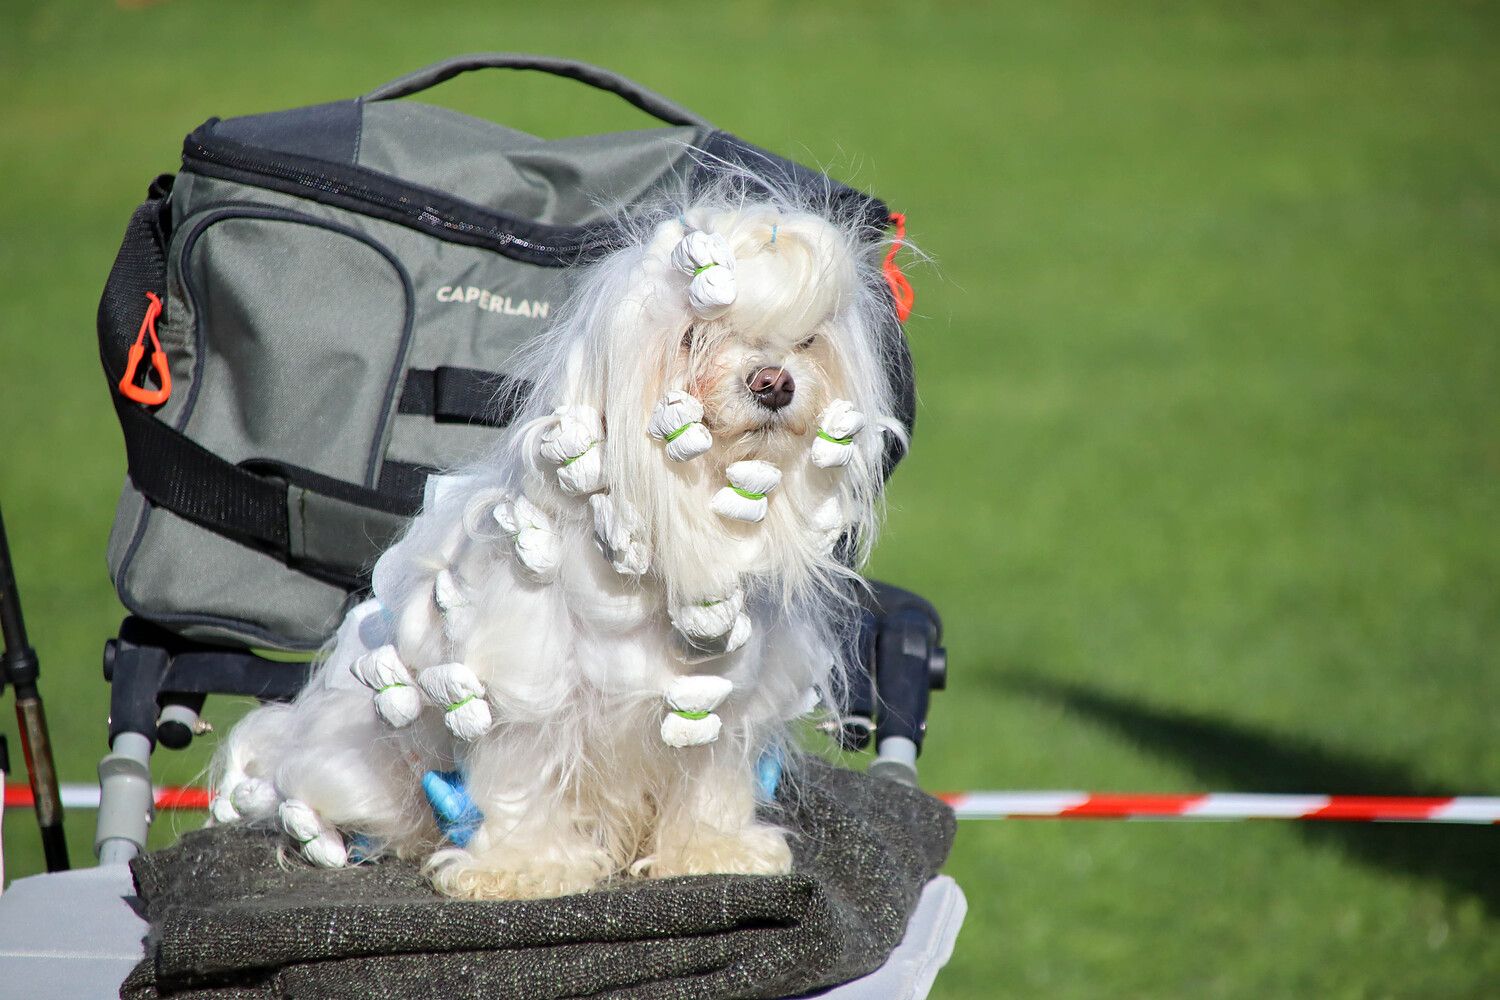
(901, 291)
(140, 393)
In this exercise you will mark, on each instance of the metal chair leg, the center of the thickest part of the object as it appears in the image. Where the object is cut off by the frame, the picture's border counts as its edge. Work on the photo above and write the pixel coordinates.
(126, 802)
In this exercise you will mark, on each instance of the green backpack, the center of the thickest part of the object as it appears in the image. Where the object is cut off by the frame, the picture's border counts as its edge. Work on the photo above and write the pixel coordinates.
(318, 311)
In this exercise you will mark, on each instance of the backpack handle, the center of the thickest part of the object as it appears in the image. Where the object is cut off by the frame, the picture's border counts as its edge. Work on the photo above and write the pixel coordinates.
(647, 100)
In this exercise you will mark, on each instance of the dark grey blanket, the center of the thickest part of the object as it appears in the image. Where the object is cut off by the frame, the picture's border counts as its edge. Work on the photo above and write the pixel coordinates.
(229, 923)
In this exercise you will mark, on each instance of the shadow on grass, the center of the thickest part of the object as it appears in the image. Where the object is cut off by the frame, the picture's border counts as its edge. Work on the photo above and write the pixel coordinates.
(1234, 757)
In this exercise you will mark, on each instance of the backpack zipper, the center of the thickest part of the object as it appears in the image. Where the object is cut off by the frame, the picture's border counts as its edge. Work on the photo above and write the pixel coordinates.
(414, 214)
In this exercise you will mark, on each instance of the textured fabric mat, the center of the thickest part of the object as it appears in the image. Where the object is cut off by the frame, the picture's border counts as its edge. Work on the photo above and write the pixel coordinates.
(227, 921)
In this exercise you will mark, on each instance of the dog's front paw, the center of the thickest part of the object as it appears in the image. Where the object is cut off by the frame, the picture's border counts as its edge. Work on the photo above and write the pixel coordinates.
(508, 872)
(756, 850)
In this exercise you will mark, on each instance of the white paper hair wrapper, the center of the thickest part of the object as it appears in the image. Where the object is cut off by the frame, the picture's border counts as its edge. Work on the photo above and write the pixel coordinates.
(222, 810)
(457, 690)
(619, 532)
(707, 258)
(828, 524)
(396, 699)
(254, 798)
(448, 592)
(744, 499)
(678, 421)
(537, 544)
(714, 626)
(691, 701)
(836, 429)
(321, 843)
(453, 601)
(575, 444)
(243, 798)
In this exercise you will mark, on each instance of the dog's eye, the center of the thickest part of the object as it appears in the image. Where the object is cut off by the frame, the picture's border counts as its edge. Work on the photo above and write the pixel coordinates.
(687, 338)
(808, 342)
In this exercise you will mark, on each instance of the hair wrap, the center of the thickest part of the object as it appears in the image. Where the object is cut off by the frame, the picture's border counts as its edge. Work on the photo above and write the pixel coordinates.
(828, 523)
(321, 843)
(254, 798)
(691, 701)
(620, 533)
(575, 444)
(744, 499)
(708, 260)
(397, 702)
(678, 422)
(455, 688)
(537, 545)
(837, 425)
(713, 626)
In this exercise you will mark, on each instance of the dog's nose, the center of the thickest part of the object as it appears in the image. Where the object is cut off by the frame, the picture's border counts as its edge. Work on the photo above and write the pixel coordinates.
(772, 387)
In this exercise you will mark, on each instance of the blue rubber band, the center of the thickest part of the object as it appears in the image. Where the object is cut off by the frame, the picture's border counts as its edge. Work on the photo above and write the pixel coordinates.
(456, 814)
(362, 849)
(458, 817)
(768, 774)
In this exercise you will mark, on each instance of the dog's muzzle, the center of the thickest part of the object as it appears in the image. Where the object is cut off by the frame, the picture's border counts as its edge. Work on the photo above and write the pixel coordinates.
(772, 387)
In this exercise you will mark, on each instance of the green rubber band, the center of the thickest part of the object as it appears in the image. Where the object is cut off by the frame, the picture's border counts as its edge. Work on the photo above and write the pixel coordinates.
(829, 437)
(709, 604)
(393, 684)
(699, 270)
(460, 704)
(694, 716)
(747, 494)
(580, 454)
(679, 431)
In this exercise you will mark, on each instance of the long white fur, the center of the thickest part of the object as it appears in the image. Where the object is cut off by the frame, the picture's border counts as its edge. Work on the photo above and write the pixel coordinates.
(573, 778)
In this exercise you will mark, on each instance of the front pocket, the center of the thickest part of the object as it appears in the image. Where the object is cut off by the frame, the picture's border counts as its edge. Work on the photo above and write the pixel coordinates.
(301, 332)
(288, 337)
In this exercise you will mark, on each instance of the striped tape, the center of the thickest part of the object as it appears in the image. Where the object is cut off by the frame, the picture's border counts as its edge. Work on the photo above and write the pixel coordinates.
(1224, 806)
(87, 797)
(1054, 805)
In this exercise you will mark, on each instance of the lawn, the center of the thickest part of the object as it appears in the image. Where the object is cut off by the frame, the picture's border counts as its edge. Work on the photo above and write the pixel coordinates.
(1207, 472)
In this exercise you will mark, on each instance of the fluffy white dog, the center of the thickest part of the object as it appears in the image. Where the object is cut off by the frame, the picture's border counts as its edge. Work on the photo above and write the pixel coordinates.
(609, 621)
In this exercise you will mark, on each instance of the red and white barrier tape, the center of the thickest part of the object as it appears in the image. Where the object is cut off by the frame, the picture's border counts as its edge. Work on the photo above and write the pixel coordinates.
(1223, 806)
(1055, 805)
(87, 797)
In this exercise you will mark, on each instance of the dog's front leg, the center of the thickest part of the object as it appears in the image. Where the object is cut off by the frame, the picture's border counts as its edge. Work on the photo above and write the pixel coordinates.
(534, 840)
(707, 823)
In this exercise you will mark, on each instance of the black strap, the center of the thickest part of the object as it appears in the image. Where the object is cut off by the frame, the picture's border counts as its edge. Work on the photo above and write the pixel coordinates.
(189, 480)
(463, 396)
(326, 528)
(647, 100)
(405, 481)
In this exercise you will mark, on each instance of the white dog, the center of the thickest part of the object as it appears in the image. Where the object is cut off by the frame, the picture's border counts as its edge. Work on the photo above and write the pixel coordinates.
(608, 622)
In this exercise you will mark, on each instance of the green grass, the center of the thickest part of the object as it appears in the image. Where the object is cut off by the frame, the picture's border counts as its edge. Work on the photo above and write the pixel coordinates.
(1207, 474)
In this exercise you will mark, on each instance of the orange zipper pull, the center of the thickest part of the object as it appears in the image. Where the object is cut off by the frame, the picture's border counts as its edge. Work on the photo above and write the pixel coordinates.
(901, 290)
(140, 393)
